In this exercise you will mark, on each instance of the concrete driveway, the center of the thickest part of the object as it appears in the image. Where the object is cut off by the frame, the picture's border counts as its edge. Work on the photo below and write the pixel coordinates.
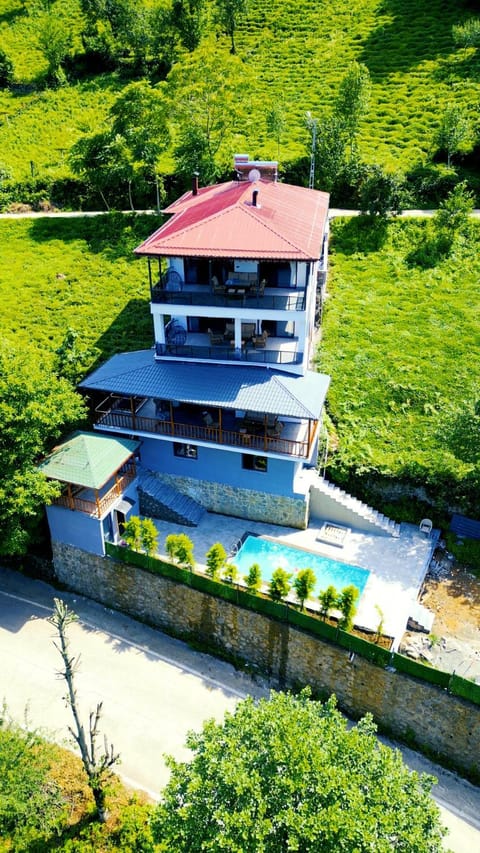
(154, 689)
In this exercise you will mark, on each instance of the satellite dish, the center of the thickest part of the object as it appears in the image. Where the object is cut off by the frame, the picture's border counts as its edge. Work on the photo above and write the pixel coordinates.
(253, 175)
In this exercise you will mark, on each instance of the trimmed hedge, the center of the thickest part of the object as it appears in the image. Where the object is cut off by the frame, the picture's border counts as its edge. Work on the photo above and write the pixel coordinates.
(283, 612)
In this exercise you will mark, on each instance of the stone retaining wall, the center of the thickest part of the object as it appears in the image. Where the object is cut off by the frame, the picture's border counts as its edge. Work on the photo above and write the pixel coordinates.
(243, 503)
(440, 723)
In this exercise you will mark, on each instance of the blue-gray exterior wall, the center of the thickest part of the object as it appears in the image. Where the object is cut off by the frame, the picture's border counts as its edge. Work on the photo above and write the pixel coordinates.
(76, 528)
(219, 465)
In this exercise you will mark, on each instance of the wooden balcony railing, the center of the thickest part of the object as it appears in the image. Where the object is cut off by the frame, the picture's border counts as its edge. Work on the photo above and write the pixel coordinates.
(98, 505)
(262, 443)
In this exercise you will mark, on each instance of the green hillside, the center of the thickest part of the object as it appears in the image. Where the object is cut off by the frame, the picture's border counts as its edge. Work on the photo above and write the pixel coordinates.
(402, 345)
(292, 54)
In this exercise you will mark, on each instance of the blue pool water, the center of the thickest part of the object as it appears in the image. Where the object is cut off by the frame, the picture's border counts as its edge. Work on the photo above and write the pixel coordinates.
(271, 555)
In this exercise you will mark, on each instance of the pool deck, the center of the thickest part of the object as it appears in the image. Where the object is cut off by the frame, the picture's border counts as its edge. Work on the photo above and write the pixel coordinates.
(397, 566)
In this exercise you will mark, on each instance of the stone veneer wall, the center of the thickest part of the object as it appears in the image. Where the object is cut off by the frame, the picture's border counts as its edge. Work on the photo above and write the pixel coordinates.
(441, 723)
(243, 503)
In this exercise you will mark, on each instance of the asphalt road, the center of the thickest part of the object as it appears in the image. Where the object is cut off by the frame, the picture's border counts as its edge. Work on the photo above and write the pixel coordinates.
(154, 689)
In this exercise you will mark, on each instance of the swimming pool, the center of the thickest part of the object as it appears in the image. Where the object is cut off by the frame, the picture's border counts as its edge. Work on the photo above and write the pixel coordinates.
(271, 555)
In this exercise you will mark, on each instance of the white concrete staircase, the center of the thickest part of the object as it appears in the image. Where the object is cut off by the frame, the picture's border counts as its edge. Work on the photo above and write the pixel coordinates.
(330, 503)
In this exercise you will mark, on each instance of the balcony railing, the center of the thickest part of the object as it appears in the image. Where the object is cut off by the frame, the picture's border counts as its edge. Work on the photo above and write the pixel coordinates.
(192, 432)
(228, 353)
(97, 504)
(294, 301)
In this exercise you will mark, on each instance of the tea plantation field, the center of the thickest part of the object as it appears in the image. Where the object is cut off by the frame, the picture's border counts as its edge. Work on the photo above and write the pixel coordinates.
(295, 53)
(402, 345)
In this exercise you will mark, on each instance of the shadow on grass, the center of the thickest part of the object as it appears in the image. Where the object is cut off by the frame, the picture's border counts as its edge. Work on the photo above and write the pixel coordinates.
(418, 31)
(360, 234)
(131, 330)
(114, 234)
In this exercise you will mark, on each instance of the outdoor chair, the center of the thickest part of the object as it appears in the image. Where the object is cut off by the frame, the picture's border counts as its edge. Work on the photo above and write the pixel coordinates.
(217, 287)
(259, 341)
(426, 526)
(216, 338)
(208, 420)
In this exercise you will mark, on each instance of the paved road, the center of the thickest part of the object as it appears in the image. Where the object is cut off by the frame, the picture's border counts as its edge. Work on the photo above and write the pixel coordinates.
(154, 690)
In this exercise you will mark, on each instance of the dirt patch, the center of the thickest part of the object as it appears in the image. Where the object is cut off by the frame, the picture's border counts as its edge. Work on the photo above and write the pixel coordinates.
(453, 595)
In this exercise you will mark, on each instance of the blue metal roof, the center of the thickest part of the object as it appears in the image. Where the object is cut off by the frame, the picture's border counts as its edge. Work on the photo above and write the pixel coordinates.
(256, 389)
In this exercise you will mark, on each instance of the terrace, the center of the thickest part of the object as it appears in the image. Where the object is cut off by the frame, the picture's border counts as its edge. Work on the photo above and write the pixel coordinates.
(271, 298)
(250, 431)
(96, 502)
(218, 345)
(272, 287)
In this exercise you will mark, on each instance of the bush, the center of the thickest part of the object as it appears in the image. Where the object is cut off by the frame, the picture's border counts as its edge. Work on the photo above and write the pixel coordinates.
(179, 547)
(6, 70)
(328, 599)
(346, 604)
(279, 586)
(230, 573)
(254, 578)
(216, 558)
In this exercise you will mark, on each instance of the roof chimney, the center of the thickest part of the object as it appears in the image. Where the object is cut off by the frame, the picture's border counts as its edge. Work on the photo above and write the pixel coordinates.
(195, 183)
(254, 198)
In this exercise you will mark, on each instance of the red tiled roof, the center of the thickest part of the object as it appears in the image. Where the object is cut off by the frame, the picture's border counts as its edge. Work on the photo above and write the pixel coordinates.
(288, 223)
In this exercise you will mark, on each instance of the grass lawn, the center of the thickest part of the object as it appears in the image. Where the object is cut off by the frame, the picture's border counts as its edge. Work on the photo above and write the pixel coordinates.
(402, 345)
(78, 273)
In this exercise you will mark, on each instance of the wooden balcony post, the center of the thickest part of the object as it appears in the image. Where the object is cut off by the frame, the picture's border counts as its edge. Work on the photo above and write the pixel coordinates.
(70, 496)
(132, 411)
(97, 502)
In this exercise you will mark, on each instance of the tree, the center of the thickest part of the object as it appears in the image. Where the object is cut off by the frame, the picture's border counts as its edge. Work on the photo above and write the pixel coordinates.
(36, 407)
(229, 14)
(346, 603)
(31, 804)
(304, 584)
(352, 99)
(330, 156)
(140, 118)
(98, 767)
(149, 536)
(207, 95)
(179, 547)
(132, 533)
(286, 773)
(328, 599)
(279, 586)
(254, 578)
(381, 192)
(55, 40)
(468, 34)
(216, 558)
(189, 18)
(230, 573)
(276, 124)
(455, 134)
(71, 360)
(452, 216)
(104, 162)
(6, 70)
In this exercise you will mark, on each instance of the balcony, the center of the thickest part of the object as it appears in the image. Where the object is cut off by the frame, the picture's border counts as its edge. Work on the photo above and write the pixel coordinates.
(253, 432)
(272, 298)
(198, 346)
(97, 503)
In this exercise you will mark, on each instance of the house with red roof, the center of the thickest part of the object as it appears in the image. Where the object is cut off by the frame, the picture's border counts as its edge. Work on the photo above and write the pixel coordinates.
(224, 411)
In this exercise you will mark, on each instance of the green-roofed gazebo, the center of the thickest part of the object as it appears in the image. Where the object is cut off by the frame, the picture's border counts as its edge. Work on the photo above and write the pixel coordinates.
(89, 463)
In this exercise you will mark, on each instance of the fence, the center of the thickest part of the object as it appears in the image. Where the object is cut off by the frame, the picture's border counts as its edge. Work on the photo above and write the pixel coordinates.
(281, 611)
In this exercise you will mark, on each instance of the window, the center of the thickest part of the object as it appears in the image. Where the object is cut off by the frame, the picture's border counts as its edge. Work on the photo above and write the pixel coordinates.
(187, 451)
(254, 463)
